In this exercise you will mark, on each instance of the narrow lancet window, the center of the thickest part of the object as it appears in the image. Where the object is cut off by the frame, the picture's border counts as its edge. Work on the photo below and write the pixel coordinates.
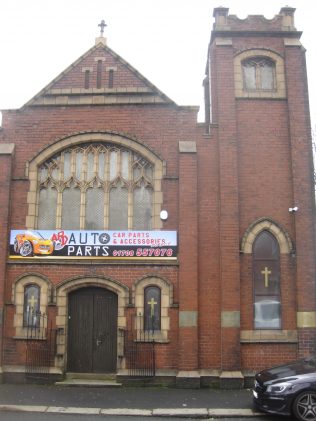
(99, 74)
(266, 277)
(31, 305)
(111, 78)
(152, 308)
(87, 79)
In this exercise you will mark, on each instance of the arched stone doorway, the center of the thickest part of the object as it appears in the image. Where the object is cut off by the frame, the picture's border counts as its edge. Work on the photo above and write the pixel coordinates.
(92, 331)
(98, 298)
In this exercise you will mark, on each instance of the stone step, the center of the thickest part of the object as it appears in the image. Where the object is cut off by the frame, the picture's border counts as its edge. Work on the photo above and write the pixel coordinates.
(89, 380)
(91, 376)
(88, 383)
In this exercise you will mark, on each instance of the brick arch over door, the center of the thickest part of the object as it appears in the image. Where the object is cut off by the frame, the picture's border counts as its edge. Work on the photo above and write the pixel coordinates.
(94, 137)
(68, 286)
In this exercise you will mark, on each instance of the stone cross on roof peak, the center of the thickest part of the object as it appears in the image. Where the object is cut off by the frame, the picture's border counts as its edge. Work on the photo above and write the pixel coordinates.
(102, 25)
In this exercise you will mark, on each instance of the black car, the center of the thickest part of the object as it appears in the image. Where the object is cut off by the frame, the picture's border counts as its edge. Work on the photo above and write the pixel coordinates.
(288, 389)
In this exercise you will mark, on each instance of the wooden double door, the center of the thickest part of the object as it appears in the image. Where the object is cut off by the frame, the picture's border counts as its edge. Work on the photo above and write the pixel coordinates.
(92, 331)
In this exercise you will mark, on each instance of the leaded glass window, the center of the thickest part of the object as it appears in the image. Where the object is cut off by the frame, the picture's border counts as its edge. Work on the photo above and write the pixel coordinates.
(70, 217)
(31, 305)
(266, 275)
(152, 308)
(94, 208)
(259, 74)
(118, 209)
(47, 208)
(95, 186)
(142, 208)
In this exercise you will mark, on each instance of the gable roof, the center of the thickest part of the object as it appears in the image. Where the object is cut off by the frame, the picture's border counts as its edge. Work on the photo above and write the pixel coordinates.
(77, 85)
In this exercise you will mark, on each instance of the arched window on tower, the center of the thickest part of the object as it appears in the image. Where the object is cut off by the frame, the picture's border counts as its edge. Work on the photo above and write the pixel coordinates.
(258, 74)
(266, 279)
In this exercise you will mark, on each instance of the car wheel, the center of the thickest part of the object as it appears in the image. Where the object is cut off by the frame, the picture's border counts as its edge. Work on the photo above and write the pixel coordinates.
(26, 249)
(304, 406)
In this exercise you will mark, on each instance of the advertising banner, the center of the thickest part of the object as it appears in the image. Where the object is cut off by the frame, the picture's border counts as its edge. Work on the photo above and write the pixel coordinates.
(93, 244)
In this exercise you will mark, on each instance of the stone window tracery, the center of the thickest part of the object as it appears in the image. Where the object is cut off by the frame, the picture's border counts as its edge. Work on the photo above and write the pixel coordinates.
(95, 186)
(258, 74)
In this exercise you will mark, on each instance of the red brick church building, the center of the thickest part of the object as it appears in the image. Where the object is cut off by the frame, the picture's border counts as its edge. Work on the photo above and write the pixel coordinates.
(139, 243)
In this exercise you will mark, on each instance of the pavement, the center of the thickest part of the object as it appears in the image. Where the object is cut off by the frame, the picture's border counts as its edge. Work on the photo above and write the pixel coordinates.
(137, 401)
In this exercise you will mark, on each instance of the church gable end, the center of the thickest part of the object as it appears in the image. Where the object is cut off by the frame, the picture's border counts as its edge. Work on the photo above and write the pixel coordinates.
(99, 77)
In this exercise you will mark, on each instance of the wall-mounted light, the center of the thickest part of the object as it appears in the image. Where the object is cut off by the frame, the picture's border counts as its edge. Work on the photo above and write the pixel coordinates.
(293, 210)
(163, 215)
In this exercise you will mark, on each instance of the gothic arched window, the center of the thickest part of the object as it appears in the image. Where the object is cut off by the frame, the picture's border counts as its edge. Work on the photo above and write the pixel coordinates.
(96, 186)
(152, 308)
(266, 278)
(31, 306)
(258, 74)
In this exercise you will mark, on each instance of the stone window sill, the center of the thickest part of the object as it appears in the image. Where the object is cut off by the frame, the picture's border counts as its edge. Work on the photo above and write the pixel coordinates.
(268, 336)
(25, 338)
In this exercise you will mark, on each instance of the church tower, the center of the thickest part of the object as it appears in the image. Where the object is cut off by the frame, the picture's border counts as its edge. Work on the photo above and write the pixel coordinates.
(256, 94)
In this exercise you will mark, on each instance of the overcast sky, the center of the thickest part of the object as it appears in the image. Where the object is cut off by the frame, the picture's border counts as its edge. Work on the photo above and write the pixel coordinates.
(165, 40)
